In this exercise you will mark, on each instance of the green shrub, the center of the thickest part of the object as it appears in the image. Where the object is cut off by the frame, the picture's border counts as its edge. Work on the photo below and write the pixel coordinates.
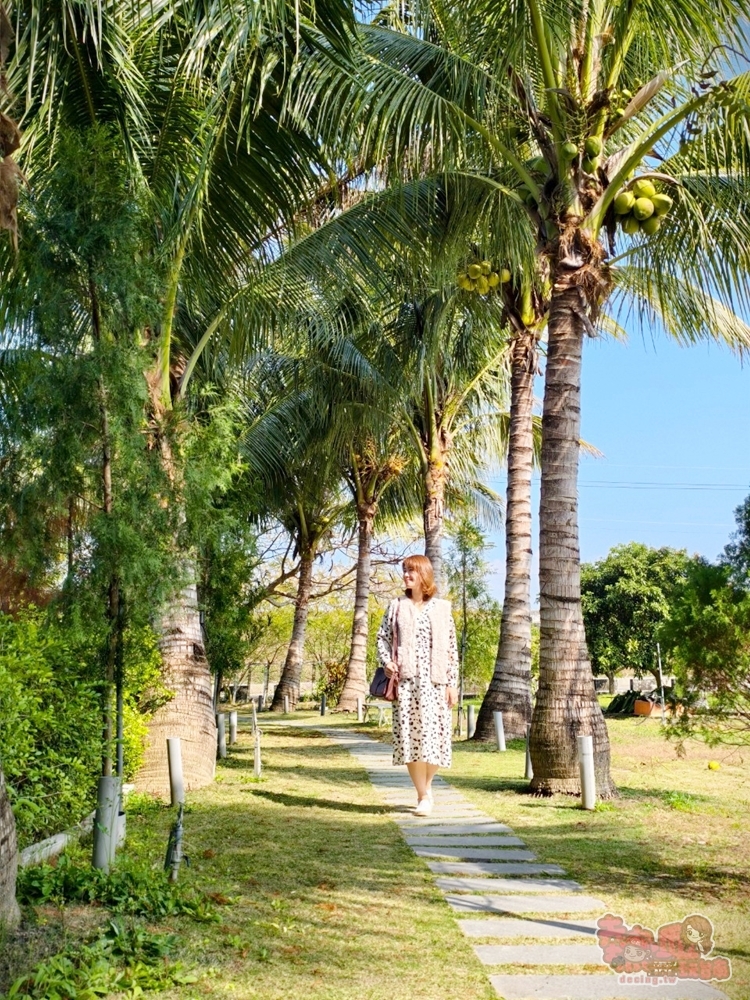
(122, 959)
(130, 887)
(50, 733)
(51, 716)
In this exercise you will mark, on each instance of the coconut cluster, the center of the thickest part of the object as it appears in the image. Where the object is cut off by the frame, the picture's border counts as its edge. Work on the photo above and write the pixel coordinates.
(480, 277)
(641, 208)
(590, 154)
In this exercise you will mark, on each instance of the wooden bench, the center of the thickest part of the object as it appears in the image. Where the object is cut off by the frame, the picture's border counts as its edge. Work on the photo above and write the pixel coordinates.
(382, 707)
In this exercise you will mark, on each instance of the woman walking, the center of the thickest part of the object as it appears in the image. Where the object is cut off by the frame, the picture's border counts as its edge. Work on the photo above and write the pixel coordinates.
(417, 640)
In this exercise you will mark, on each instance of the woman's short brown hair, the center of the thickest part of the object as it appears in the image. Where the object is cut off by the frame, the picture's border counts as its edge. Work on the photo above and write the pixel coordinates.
(422, 566)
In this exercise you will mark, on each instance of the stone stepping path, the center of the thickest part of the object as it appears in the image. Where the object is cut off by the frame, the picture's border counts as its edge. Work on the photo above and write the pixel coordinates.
(527, 904)
(508, 885)
(493, 868)
(419, 840)
(496, 927)
(486, 871)
(485, 853)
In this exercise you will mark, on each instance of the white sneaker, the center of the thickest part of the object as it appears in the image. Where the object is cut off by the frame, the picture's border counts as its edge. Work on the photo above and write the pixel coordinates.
(424, 808)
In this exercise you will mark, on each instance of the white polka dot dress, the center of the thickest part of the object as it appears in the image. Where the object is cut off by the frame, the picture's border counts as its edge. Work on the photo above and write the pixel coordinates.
(422, 720)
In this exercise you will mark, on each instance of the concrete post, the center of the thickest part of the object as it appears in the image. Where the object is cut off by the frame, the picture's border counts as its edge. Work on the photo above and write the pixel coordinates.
(176, 780)
(360, 710)
(232, 728)
(586, 765)
(499, 731)
(471, 722)
(257, 765)
(260, 702)
(322, 704)
(529, 771)
(286, 704)
(106, 822)
(221, 734)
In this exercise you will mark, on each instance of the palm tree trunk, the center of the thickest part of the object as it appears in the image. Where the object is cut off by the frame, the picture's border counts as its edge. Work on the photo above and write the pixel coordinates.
(190, 713)
(434, 487)
(510, 688)
(566, 704)
(9, 913)
(355, 685)
(291, 675)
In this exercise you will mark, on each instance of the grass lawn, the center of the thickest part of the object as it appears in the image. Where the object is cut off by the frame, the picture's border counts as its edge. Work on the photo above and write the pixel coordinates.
(674, 843)
(319, 897)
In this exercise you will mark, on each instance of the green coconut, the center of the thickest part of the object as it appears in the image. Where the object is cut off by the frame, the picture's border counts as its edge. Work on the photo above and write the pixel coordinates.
(662, 203)
(643, 208)
(540, 166)
(651, 225)
(483, 286)
(590, 165)
(464, 281)
(475, 271)
(505, 275)
(643, 189)
(493, 279)
(486, 266)
(624, 202)
(631, 225)
(569, 151)
(592, 147)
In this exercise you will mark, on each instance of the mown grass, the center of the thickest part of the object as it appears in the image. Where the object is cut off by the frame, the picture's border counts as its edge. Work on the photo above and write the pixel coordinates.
(317, 895)
(673, 843)
(316, 892)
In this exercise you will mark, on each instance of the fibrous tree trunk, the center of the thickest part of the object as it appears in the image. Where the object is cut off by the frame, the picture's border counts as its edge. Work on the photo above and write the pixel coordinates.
(190, 713)
(433, 512)
(510, 688)
(355, 685)
(566, 704)
(9, 912)
(291, 675)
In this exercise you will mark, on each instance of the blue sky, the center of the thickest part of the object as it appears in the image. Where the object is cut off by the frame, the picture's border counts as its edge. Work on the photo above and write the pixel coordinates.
(673, 424)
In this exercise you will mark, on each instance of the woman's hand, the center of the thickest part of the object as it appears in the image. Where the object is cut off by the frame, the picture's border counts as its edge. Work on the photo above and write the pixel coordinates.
(451, 696)
(390, 668)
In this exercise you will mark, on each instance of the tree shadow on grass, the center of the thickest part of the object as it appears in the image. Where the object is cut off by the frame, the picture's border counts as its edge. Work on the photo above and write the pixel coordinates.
(304, 801)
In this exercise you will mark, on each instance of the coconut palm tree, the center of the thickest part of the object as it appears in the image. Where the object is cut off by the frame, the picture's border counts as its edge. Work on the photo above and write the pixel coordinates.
(586, 116)
(454, 386)
(195, 94)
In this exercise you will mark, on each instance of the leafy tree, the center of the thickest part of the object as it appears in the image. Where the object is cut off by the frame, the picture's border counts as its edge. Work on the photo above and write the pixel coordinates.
(737, 552)
(707, 637)
(195, 94)
(626, 598)
(542, 92)
(477, 615)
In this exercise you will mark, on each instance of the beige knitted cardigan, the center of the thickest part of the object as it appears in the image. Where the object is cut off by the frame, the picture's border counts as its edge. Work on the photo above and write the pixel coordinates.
(403, 619)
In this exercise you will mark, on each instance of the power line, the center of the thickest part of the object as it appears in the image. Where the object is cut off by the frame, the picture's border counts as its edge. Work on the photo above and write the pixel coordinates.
(710, 487)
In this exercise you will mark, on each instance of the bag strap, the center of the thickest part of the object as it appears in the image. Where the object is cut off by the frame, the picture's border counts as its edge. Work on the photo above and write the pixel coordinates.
(394, 639)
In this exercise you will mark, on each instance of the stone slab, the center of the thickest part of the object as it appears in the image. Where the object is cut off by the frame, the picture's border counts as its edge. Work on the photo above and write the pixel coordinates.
(494, 868)
(420, 821)
(510, 927)
(457, 829)
(483, 853)
(526, 904)
(447, 841)
(598, 988)
(539, 954)
(503, 885)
